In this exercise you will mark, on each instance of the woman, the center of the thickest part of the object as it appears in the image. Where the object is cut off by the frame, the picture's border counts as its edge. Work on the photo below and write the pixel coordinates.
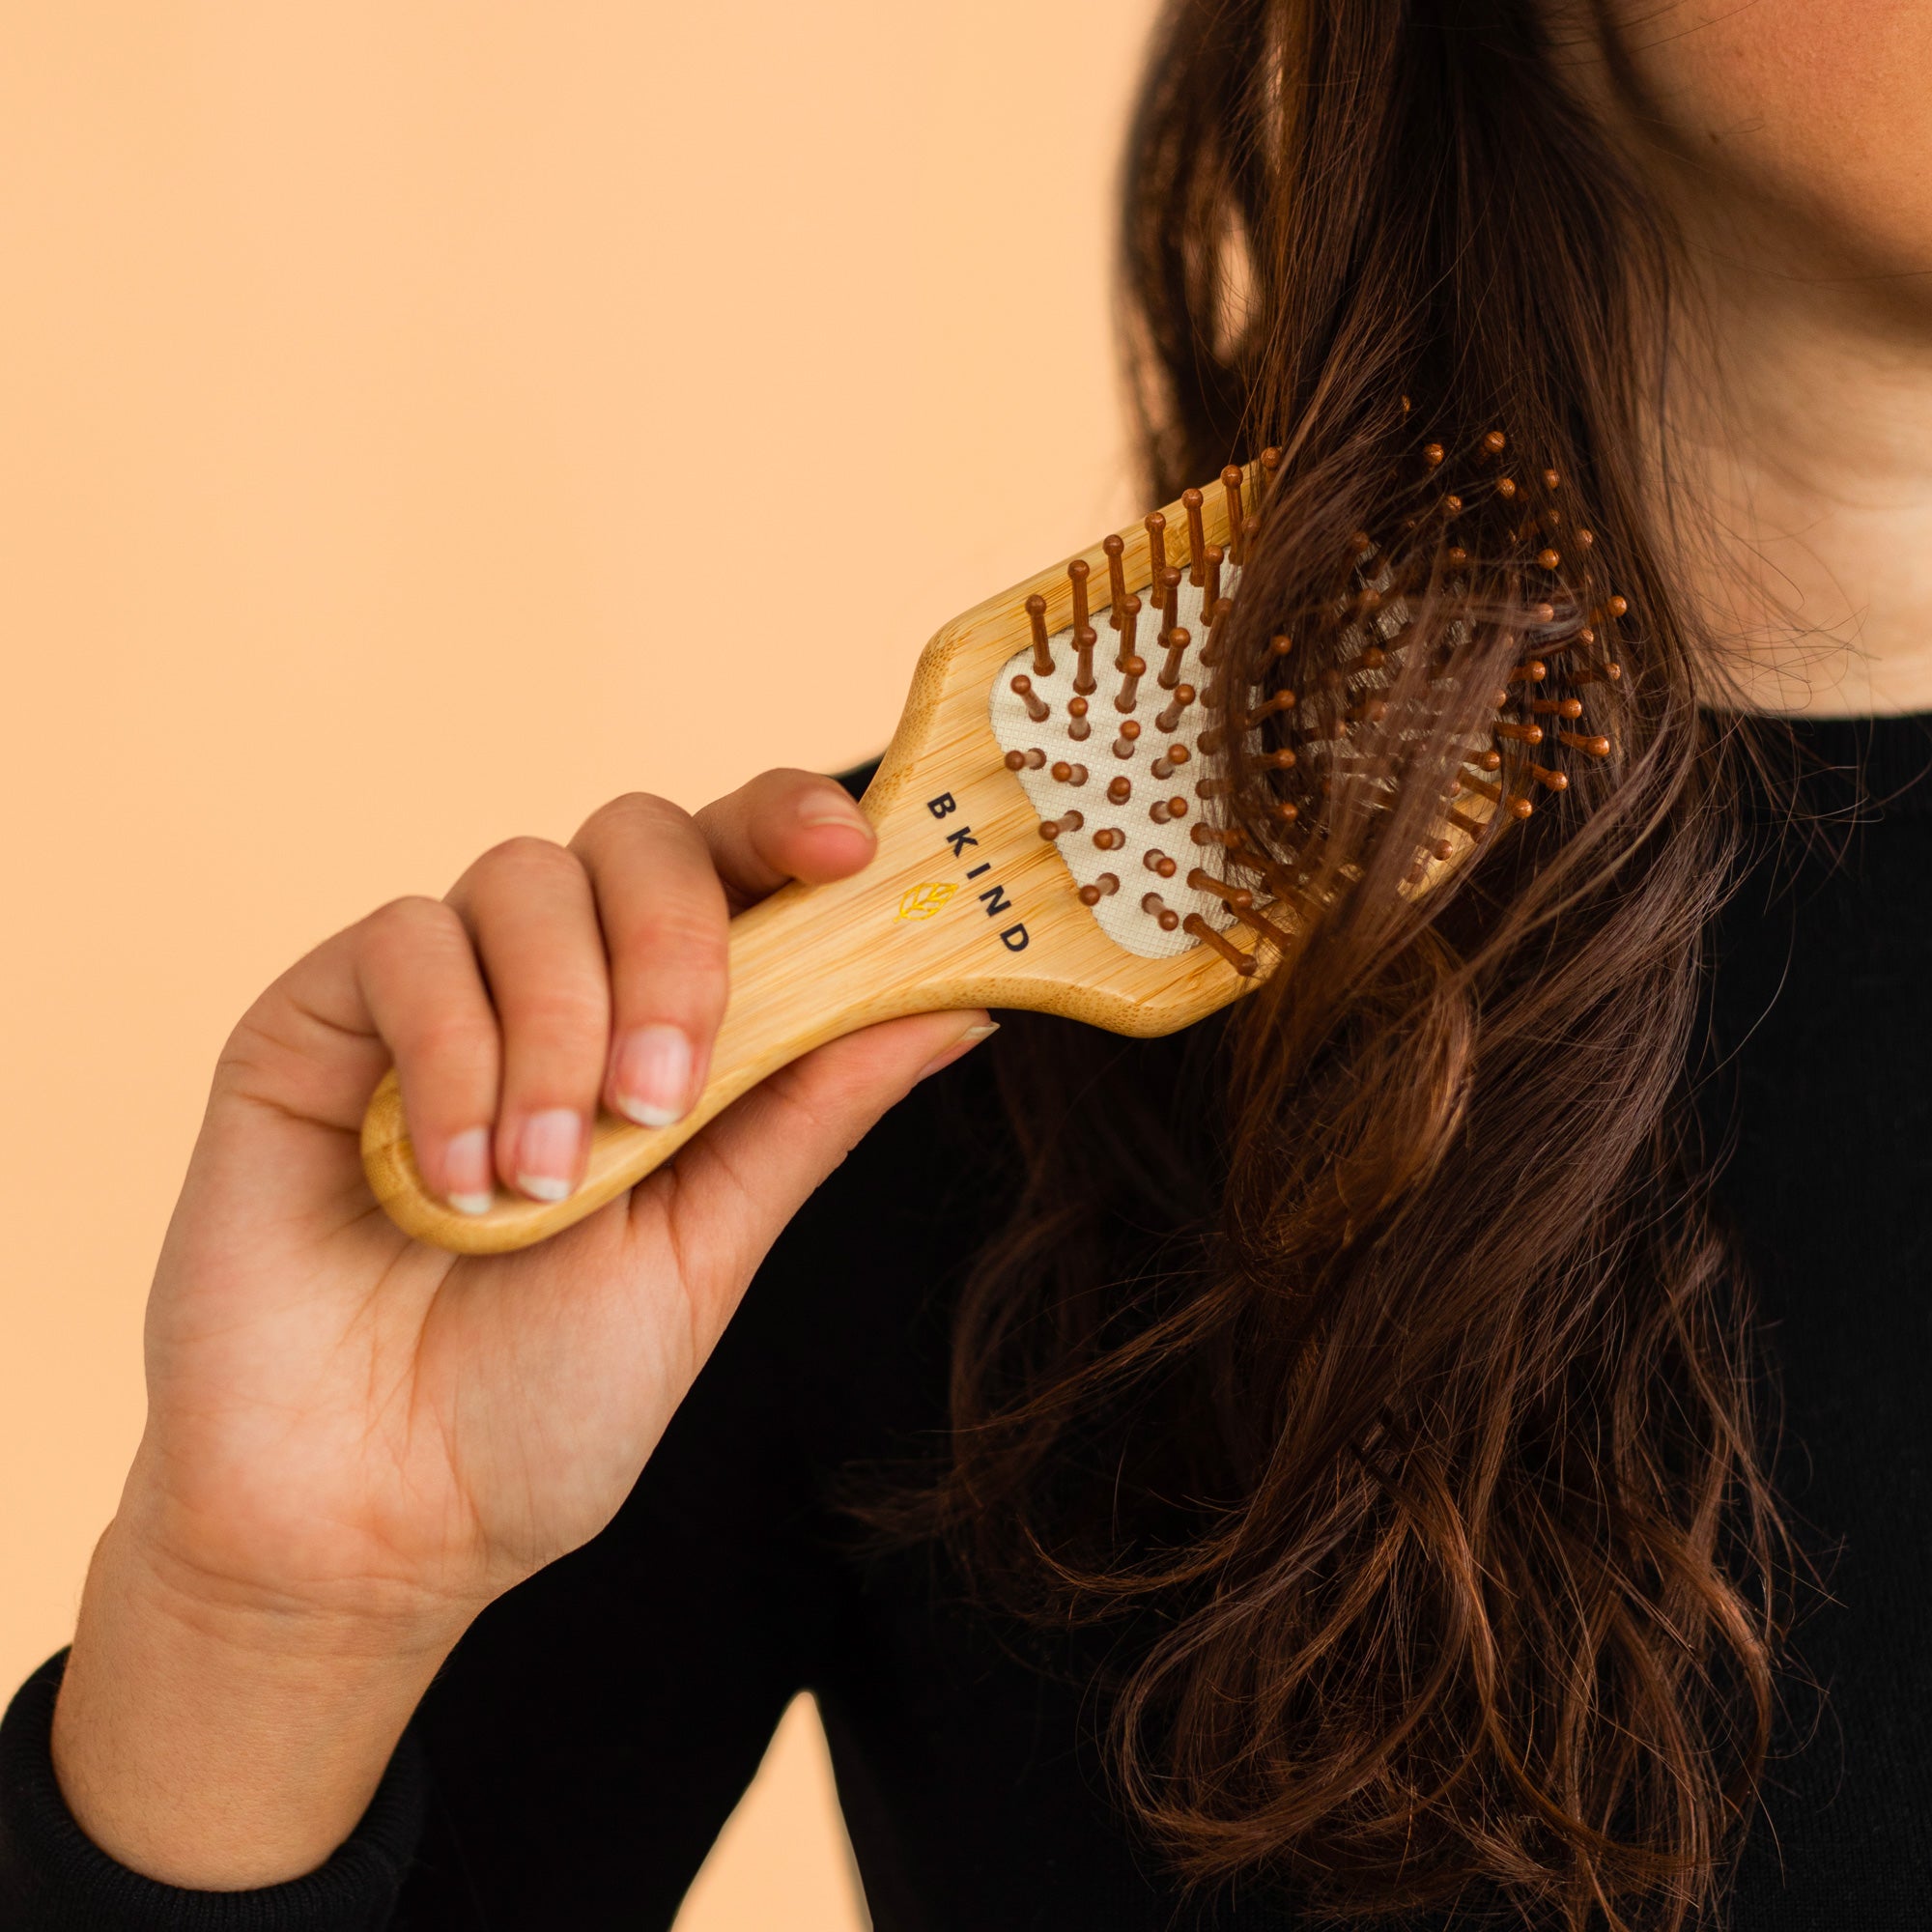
(1308, 1470)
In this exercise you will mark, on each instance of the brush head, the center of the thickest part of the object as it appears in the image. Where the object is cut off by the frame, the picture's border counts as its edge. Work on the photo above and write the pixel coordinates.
(1447, 660)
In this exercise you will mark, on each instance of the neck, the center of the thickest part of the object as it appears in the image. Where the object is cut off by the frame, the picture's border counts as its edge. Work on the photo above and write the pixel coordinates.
(1802, 435)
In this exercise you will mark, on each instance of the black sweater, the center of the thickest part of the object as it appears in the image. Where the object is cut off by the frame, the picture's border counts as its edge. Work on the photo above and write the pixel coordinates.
(575, 1760)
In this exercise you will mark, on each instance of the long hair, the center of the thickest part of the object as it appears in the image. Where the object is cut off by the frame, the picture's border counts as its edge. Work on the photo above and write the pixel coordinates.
(1368, 1362)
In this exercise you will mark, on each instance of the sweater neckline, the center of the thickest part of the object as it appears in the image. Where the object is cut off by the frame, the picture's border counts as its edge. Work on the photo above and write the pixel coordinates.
(1865, 767)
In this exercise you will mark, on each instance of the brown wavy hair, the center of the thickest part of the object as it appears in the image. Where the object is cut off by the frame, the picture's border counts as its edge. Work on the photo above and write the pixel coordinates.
(1369, 1363)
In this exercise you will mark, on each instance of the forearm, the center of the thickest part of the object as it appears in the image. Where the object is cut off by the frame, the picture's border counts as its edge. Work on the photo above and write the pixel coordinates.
(225, 1748)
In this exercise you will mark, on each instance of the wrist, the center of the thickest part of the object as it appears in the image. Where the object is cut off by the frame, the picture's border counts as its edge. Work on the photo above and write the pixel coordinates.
(223, 1739)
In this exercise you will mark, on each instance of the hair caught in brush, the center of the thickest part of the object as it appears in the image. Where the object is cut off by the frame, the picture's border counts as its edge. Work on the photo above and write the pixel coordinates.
(1369, 1358)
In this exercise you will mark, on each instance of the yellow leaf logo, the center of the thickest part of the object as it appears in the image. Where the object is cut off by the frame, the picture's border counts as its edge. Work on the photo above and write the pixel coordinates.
(922, 901)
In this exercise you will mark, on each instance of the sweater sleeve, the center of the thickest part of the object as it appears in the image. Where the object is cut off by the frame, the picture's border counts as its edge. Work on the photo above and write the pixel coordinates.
(54, 1879)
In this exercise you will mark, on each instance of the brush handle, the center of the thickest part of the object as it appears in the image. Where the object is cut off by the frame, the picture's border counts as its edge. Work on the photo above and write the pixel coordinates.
(807, 965)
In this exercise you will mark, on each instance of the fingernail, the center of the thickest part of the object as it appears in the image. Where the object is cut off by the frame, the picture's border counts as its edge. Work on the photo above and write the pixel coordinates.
(547, 1153)
(652, 1078)
(832, 808)
(466, 1171)
(959, 1050)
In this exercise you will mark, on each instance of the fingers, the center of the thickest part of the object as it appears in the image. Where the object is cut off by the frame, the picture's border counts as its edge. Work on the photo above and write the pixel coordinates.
(664, 916)
(556, 977)
(420, 981)
(530, 912)
(785, 825)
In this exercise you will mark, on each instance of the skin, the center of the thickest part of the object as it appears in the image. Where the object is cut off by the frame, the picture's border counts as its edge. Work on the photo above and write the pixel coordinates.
(354, 1442)
(1790, 138)
(353, 1445)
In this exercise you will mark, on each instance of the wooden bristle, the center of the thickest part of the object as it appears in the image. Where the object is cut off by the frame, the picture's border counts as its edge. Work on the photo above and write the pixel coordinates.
(1025, 761)
(1109, 839)
(1130, 618)
(1158, 909)
(1197, 533)
(1270, 468)
(1432, 454)
(1525, 734)
(1169, 720)
(1084, 638)
(1037, 708)
(1156, 860)
(1283, 701)
(1051, 829)
(1210, 593)
(1494, 443)
(1068, 774)
(1551, 780)
(1042, 657)
(1231, 953)
(1156, 530)
(1117, 578)
(1219, 610)
(1170, 762)
(1077, 727)
(1557, 707)
(1207, 882)
(1577, 741)
(1077, 573)
(1265, 927)
(1177, 640)
(1102, 888)
(1230, 486)
(1519, 808)
(1120, 790)
(1166, 810)
(1131, 731)
(1132, 671)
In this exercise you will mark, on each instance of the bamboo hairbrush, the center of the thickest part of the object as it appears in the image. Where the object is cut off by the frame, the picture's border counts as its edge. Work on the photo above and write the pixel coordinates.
(1052, 832)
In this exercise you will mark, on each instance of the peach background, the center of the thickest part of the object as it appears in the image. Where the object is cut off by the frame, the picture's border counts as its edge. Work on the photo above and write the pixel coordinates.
(370, 375)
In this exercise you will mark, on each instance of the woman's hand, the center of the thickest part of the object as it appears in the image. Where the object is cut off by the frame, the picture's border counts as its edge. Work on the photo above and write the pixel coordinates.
(353, 1441)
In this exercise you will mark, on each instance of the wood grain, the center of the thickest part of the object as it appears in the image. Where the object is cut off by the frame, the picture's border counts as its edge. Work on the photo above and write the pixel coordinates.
(921, 929)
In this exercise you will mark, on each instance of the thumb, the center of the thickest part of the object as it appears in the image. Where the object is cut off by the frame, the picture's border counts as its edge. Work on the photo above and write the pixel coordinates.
(735, 1186)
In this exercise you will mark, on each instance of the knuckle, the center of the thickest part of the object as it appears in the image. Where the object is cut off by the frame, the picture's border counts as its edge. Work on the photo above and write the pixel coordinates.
(525, 853)
(628, 815)
(559, 1018)
(412, 916)
(452, 1043)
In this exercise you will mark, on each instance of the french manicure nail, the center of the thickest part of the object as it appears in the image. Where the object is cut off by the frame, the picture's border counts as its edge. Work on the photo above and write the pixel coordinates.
(547, 1153)
(959, 1048)
(466, 1171)
(652, 1077)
